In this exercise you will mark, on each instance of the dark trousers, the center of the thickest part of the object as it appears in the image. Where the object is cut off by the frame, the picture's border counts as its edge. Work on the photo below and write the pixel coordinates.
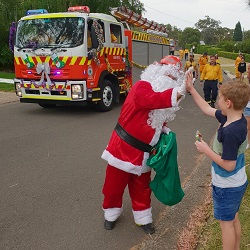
(210, 90)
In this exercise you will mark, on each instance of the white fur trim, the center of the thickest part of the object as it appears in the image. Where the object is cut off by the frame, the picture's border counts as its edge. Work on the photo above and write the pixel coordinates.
(175, 103)
(143, 217)
(166, 130)
(124, 165)
(112, 214)
(174, 97)
(156, 137)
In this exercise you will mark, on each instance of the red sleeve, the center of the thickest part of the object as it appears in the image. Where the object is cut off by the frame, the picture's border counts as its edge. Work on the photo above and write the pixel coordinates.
(146, 98)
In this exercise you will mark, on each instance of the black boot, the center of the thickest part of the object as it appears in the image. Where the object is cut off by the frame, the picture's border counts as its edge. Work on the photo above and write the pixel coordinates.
(148, 228)
(212, 104)
(109, 225)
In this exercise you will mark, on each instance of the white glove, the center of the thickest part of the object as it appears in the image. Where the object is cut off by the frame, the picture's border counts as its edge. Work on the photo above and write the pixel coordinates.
(190, 69)
(182, 89)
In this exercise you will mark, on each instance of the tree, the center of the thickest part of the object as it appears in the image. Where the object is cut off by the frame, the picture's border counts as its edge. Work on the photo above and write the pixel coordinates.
(223, 34)
(208, 28)
(173, 32)
(189, 36)
(238, 35)
(247, 35)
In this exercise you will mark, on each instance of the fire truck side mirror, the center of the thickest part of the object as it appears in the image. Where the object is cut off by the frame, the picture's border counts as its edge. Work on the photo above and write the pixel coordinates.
(12, 36)
(90, 56)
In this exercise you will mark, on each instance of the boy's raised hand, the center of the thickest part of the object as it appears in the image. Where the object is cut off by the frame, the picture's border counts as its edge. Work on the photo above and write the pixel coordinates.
(189, 80)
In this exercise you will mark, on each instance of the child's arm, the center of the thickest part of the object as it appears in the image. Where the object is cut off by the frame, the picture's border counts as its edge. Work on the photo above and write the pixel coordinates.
(204, 148)
(202, 104)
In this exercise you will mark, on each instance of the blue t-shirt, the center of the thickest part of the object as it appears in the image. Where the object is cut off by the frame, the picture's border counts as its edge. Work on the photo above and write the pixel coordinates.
(231, 136)
(230, 143)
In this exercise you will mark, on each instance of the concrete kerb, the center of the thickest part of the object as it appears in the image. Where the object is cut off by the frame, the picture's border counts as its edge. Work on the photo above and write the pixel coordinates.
(228, 74)
(11, 81)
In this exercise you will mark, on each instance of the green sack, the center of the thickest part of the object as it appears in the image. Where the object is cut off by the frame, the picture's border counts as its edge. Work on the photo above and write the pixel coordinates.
(166, 184)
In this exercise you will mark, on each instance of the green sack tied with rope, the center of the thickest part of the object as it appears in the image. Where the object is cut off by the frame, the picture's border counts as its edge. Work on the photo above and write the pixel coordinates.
(166, 184)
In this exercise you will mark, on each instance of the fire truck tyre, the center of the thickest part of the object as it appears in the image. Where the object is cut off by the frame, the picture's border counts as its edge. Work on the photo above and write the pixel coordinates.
(47, 106)
(107, 97)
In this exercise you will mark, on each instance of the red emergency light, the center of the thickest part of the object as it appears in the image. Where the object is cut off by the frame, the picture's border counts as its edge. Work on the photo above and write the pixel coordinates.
(84, 9)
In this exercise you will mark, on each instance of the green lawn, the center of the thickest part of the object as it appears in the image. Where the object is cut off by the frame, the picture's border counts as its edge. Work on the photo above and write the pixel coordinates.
(7, 87)
(7, 75)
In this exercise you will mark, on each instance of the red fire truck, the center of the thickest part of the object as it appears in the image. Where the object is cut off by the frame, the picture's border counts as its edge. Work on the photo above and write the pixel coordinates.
(70, 58)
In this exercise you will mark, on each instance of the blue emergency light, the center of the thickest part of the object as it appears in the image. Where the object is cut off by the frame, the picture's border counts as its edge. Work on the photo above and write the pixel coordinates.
(35, 12)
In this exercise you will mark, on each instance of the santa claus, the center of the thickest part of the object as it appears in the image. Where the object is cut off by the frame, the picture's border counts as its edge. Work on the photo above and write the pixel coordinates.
(150, 104)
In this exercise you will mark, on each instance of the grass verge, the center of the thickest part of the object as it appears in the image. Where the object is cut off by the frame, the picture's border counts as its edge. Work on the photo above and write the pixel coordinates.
(7, 87)
(7, 75)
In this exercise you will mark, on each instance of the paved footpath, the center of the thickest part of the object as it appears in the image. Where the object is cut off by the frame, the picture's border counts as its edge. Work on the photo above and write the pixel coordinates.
(8, 97)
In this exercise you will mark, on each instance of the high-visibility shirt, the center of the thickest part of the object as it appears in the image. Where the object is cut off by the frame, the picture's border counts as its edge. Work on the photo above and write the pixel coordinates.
(203, 60)
(237, 61)
(212, 72)
(190, 64)
(181, 51)
(186, 50)
(113, 38)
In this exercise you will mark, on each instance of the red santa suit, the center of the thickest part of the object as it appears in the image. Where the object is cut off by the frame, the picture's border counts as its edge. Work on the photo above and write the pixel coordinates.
(127, 164)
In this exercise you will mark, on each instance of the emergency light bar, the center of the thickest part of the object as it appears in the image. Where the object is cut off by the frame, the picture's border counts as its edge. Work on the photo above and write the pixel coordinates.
(35, 12)
(84, 9)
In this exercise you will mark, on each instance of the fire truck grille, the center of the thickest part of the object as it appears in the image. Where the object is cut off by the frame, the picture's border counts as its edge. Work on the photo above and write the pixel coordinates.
(32, 92)
(37, 92)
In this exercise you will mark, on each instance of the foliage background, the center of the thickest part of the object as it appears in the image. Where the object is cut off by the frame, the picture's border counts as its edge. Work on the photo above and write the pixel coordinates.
(220, 39)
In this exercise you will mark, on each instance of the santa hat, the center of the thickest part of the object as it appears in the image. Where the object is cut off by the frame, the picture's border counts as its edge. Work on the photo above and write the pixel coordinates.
(174, 60)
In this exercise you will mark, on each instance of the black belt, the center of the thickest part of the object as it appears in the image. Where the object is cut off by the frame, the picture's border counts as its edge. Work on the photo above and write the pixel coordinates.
(124, 135)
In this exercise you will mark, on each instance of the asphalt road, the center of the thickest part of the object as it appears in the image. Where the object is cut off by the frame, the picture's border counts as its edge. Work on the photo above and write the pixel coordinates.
(52, 175)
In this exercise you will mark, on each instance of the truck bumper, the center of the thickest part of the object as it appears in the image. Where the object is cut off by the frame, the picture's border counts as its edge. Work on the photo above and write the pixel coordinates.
(54, 102)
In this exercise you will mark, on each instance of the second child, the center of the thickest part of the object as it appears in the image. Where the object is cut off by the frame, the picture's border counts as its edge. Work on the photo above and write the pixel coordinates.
(242, 67)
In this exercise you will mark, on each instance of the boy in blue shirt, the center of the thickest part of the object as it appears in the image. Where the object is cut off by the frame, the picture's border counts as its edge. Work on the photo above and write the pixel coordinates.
(229, 179)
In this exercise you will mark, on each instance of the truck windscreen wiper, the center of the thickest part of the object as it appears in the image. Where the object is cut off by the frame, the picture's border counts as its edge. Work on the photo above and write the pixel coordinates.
(58, 48)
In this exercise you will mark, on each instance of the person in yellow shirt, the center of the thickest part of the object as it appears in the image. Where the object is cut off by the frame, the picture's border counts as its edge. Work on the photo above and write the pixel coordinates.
(89, 40)
(191, 63)
(186, 51)
(237, 61)
(211, 73)
(113, 38)
(181, 53)
(203, 60)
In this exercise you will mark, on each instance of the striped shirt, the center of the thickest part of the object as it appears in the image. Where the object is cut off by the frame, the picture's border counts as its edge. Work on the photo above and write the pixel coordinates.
(230, 142)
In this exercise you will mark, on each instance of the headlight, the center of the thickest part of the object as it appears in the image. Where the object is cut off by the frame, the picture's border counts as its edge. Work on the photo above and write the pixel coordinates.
(77, 88)
(18, 89)
(77, 91)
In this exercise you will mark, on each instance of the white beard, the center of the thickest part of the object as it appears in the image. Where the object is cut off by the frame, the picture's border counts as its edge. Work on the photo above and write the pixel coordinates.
(156, 75)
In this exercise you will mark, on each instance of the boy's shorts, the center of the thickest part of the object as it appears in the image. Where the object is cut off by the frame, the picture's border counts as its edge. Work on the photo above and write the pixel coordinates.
(227, 201)
(246, 112)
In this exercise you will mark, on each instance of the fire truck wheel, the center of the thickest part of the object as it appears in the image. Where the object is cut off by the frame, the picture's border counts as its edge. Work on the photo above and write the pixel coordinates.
(107, 97)
(47, 106)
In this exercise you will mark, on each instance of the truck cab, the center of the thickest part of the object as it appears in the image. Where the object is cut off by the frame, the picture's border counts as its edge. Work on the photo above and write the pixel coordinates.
(60, 58)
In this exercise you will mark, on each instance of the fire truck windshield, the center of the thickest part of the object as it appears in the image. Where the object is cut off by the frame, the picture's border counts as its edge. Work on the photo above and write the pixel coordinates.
(50, 32)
